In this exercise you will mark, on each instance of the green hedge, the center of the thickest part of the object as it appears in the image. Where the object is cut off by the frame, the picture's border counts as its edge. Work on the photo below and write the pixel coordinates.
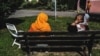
(7, 7)
(62, 5)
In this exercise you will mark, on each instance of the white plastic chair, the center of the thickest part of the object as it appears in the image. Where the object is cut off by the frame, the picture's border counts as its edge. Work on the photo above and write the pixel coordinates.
(12, 29)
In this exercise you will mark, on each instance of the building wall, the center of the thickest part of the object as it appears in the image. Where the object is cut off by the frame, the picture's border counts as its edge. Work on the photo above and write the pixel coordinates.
(95, 6)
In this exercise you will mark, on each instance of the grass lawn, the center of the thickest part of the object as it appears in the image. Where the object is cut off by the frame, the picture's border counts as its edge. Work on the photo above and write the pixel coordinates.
(24, 23)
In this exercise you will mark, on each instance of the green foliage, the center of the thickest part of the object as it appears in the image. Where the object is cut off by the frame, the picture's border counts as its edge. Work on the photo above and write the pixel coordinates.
(7, 7)
(62, 5)
(72, 4)
(28, 5)
(42, 4)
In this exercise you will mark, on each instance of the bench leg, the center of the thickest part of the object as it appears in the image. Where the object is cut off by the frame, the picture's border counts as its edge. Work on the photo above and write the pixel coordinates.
(28, 54)
(84, 52)
(90, 49)
(89, 54)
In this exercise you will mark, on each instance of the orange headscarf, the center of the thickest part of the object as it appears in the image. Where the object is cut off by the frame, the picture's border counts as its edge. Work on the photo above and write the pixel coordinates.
(41, 24)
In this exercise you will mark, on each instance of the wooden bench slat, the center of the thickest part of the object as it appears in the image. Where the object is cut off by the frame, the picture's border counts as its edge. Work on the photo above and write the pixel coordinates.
(58, 38)
(62, 44)
(54, 48)
(58, 33)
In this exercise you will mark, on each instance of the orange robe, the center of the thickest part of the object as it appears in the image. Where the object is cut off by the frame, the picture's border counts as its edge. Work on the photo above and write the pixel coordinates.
(41, 24)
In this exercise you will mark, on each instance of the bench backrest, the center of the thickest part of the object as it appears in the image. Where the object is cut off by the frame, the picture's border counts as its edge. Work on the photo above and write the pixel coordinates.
(57, 41)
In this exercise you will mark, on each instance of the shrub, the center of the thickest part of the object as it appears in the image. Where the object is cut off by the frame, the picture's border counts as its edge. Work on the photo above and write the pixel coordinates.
(6, 7)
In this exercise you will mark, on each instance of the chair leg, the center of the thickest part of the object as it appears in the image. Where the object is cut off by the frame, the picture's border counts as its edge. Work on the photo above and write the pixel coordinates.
(13, 42)
(19, 46)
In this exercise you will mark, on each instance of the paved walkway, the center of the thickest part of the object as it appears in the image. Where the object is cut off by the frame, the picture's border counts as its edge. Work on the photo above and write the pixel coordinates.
(25, 13)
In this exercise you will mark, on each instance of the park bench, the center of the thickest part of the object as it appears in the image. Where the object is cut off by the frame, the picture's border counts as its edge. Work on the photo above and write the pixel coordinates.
(80, 42)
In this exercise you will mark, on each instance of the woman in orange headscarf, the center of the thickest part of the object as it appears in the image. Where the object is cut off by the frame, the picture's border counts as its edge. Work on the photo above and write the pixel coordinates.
(41, 24)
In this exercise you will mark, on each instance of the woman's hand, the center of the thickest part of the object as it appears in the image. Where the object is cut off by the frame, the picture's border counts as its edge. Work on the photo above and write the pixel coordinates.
(74, 23)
